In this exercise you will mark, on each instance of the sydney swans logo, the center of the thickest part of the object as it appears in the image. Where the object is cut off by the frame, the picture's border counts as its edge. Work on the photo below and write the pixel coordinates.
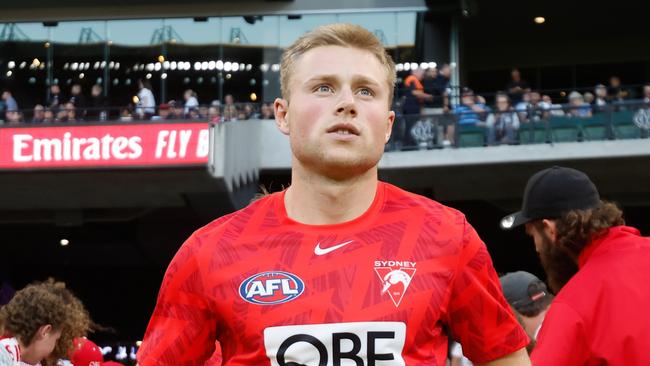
(395, 277)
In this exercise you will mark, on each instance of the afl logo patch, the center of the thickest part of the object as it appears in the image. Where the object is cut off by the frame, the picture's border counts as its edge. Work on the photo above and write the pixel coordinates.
(271, 288)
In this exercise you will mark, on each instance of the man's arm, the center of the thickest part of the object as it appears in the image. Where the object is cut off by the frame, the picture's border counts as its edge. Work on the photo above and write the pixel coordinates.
(517, 358)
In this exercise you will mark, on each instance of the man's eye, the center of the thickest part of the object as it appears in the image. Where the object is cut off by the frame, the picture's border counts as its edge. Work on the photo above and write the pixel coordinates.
(366, 92)
(324, 89)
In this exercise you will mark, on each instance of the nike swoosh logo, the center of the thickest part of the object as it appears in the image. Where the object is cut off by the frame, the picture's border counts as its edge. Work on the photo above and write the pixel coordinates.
(320, 251)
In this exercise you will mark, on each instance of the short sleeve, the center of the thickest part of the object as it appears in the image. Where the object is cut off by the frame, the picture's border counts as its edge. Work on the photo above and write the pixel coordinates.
(182, 329)
(478, 315)
(562, 338)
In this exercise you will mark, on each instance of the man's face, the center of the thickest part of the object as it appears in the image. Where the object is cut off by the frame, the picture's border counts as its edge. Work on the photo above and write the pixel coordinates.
(45, 342)
(615, 82)
(646, 91)
(502, 103)
(557, 263)
(516, 76)
(535, 97)
(338, 118)
(468, 100)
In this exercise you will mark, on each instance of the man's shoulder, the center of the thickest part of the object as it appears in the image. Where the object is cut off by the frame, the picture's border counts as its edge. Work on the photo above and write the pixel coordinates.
(239, 217)
(9, 351)
(408, 200)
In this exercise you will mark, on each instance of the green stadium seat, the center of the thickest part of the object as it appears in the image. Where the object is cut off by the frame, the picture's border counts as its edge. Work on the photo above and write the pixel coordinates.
(623, 125)
(565, 129)
(534, 133)
(471, 136)
(595, 128)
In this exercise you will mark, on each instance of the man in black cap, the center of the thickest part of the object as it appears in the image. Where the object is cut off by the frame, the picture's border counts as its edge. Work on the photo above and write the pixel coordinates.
(598, 267)
(529, 296)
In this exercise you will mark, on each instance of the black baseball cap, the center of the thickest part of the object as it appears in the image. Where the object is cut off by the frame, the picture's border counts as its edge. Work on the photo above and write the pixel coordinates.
(522, 288)
(552, 192)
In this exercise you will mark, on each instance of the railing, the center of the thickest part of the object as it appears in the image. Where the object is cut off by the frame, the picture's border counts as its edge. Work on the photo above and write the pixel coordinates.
(556, 124)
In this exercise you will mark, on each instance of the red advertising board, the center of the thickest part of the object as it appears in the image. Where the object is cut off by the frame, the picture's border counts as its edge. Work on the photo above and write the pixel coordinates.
(117, 145)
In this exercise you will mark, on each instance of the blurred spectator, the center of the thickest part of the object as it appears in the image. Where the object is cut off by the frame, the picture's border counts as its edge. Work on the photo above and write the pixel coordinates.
(48, 116)
(98, 105)
(56, 98)
(10, 104)
(39, 114)
(175, 110)
(516, 87)
(646, 94)
(589, 97)
(413, 99)
(469, 112)
(522, 106)
(146, 107)
(529, 296)
(214, 115)
(600, 102)
(191, 101)
(267, 111)
(436, 87)
(125, 115)
(78, 100)
(68, 113)
(40, 323)
(249, 111)
(163, 112)
(536, 109)
(554, 109)
(14, 117)
(414, 94)
(194, 114)
(230, 112)
(577, 106)
(203, 111)
(444, 76)
(503, 124)
(615, 91)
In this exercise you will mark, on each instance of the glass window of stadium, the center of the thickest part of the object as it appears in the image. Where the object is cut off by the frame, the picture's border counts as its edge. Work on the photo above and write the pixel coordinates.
(213, 56)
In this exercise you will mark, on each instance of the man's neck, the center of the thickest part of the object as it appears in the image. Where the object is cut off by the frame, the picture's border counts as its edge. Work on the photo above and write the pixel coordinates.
(26, 354)
(318, 200)
(531, 324)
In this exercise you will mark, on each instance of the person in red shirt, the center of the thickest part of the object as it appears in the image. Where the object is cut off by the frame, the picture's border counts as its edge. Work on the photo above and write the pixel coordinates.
(598, 267)
(339, 268)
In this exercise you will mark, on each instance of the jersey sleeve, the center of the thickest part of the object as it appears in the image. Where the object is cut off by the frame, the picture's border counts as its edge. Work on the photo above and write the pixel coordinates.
(561, 340)
(182, 329)
(478, 315)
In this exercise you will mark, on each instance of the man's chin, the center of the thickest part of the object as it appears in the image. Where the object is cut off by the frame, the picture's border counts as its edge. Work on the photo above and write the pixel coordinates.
(558, 265)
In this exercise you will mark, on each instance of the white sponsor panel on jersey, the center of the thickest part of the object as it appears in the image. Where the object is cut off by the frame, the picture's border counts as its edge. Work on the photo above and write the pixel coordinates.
(336, 344)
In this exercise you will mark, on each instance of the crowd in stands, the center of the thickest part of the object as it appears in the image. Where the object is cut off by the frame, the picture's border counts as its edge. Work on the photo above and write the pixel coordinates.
(430, 107)
(76, 107)
(426, 95)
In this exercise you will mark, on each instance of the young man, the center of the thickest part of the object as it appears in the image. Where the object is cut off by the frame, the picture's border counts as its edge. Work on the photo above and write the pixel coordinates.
(530, 298)
(339, 268)
(600, 268)
(40, 323)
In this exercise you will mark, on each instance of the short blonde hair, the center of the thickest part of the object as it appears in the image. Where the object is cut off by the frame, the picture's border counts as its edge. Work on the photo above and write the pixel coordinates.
(345, 35)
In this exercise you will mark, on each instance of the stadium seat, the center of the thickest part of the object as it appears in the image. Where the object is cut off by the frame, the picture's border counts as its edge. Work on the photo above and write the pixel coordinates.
(534, 133)
(623, 125)
(471, 136)
(596, 127)
(565, 129)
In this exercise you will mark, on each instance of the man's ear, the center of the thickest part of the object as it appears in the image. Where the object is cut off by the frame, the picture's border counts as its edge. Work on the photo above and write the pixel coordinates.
(389, 127)
(281, 108)
(550, 229)
(44, 331)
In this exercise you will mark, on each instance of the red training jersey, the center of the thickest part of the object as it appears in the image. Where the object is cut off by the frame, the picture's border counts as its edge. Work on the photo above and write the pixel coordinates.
(383, 289)
(599, 317)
